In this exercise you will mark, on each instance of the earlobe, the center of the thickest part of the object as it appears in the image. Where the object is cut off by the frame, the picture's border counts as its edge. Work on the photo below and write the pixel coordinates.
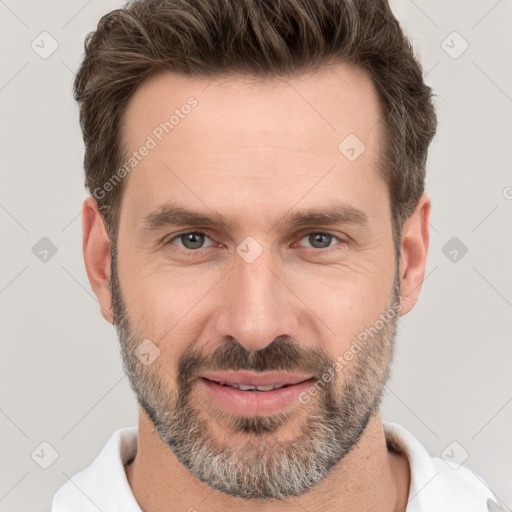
(96, 251)
(415, 240)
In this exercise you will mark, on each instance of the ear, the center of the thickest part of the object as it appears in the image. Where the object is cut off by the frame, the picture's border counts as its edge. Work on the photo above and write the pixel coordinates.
(96, 250)
(415, 237)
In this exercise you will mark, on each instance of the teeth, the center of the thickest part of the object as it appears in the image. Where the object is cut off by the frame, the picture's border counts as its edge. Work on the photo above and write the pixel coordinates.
(265, 388)
(244, 387)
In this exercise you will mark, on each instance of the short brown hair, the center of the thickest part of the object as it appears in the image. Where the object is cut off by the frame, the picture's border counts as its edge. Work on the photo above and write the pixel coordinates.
(260, 38)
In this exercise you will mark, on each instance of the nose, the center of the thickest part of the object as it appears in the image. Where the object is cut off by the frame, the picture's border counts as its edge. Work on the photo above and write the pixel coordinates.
(257, 306)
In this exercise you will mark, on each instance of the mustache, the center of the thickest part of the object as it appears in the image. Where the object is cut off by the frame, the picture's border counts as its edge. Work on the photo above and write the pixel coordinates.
(283, 354)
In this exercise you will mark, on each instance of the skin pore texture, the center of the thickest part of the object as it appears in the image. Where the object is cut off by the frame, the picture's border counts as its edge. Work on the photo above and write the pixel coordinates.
(256, 153)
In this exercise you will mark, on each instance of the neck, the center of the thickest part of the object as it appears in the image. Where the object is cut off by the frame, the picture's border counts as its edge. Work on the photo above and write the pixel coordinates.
(368, 478)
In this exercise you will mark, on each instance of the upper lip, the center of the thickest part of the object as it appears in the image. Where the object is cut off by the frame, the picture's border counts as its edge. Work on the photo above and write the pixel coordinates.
(256, 379)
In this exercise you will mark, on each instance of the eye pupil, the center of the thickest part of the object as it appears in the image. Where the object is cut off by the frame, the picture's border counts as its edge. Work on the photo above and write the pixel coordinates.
(317, 238)
(195, 240)
(192, 240)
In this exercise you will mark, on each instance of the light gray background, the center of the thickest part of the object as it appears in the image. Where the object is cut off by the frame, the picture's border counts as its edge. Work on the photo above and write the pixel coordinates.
(61, 375)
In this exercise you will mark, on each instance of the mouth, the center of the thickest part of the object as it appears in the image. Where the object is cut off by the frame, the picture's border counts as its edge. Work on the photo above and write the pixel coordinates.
(250, 394)
(256, 380)
(249, 387)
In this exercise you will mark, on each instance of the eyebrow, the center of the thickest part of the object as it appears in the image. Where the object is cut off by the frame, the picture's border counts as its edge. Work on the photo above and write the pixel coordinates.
(173, 215)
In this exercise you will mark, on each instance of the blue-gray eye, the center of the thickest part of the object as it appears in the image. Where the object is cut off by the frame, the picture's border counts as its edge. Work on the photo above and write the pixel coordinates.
(320, 240)
(192, 240)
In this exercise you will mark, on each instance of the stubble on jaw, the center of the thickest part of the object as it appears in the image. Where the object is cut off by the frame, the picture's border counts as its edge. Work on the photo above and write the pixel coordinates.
(264, 467)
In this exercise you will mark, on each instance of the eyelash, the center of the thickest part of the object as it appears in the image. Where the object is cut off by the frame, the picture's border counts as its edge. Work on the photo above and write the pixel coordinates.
(199, 252)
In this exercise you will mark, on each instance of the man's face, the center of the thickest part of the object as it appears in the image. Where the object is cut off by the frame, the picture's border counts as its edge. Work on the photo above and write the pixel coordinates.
(257, 295)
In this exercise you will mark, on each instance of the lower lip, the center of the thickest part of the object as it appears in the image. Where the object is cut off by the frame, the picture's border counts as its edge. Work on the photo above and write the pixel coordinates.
(254, 403)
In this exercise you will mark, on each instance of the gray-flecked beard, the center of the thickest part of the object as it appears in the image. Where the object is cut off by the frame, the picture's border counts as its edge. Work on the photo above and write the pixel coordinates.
(264, 467)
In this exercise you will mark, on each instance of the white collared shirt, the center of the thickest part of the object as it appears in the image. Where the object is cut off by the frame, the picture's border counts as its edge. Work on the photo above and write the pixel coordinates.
(435, 485)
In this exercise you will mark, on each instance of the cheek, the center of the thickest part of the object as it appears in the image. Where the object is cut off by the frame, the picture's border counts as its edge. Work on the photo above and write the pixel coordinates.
(359, 282)
(166, 304)
(345, 301)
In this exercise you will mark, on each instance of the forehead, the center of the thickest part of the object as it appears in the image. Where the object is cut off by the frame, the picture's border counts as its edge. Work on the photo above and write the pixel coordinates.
(337, 100)
(272, 137)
